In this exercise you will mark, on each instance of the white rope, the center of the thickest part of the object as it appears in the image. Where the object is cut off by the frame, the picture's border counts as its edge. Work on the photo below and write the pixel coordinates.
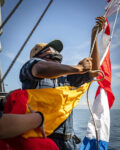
(91, 51)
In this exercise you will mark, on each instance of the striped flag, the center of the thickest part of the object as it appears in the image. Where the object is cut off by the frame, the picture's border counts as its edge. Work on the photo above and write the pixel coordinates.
(103, 101)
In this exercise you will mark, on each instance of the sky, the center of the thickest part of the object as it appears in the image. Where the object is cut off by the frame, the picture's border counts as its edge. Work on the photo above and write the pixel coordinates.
(71, 21)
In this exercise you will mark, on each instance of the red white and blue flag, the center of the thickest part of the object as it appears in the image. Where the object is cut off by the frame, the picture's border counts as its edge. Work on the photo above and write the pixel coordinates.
(103, 101)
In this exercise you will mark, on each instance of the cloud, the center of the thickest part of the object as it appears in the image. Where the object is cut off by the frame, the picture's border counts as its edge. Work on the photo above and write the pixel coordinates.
(116, 79)
(12, 55)
(116, 82)
(116, 40)
(115, 67)
(117, 74)
(112, 23)
(116, 37)
(79, 46)
(83, 45)
(75, 53)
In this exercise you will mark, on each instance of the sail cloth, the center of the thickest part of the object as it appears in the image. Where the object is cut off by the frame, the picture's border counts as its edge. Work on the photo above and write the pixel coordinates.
(103, 101)
(55, 103)
(114, 7)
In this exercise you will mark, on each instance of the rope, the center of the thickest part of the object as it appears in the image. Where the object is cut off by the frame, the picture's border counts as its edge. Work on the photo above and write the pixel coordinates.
(91, 51)
(22, 47)
(94, 71)
(11, 13)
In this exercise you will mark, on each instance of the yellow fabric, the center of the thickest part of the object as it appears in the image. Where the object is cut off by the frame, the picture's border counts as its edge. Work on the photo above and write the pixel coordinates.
(55, 103)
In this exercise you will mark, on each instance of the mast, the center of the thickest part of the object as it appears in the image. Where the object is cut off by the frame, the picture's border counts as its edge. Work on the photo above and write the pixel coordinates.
(2, 89)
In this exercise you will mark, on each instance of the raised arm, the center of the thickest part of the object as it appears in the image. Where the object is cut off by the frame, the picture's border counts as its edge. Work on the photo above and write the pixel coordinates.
(100, 22)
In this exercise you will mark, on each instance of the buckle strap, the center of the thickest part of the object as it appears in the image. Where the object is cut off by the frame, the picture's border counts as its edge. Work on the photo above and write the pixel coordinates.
(77, 139)
(68, 136)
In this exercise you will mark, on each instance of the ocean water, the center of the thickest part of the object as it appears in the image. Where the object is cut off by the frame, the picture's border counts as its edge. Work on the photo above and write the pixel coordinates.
(81, 117)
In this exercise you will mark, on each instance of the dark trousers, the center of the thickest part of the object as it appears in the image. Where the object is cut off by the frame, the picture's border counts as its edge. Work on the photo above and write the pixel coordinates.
(62, 143)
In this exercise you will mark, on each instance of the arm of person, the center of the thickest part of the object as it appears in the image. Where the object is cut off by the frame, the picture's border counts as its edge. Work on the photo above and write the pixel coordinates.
(12, 125)
(48, 69)
(95, 53)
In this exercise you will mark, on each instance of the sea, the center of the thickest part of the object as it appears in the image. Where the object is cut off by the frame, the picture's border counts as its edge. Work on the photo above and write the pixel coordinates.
(81, 118)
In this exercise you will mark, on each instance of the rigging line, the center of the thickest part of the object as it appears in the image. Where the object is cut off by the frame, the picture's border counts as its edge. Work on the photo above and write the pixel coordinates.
(11, 13)
(22, 47)
(91, 51)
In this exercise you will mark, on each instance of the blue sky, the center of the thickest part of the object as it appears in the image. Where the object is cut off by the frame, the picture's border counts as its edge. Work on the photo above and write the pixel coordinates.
(70, 21)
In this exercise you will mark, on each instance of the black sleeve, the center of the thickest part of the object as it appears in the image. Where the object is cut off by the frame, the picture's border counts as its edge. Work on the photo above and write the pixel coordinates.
(79, 79)
(26, 70)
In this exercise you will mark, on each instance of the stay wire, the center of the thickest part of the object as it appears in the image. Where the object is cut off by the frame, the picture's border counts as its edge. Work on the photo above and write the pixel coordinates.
(11, 13)
(22, 47)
